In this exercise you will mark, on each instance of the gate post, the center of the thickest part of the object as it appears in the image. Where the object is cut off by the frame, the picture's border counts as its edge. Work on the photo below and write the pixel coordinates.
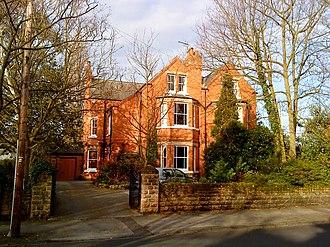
(149, 190)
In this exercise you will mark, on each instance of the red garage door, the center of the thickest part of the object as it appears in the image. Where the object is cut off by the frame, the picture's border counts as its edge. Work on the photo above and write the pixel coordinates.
(66, 168)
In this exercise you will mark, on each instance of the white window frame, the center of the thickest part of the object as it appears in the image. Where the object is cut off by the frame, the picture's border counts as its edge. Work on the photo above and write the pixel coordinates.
(195, 158)
(163, 115)
(170, 82)
(185, 158)
(195, 116)
(163, 156)
(109, 123)
(240, 113)
(236, 89)
(91, 169)
(182, 88)
(178, 114)
(93, 127)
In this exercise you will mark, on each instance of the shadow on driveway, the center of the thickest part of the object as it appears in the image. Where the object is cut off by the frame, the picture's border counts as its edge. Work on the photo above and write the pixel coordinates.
(82, 200)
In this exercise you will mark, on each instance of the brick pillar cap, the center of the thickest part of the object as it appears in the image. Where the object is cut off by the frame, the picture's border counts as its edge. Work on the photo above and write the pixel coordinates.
(149, 170)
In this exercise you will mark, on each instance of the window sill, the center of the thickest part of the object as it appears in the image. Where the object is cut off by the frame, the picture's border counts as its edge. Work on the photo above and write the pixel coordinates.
(92, 137)
(177, 127)
(183, 93)
(91, 170)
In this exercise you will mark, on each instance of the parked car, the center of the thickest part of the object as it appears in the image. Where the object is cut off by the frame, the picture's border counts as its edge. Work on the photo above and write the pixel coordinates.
(173, 175)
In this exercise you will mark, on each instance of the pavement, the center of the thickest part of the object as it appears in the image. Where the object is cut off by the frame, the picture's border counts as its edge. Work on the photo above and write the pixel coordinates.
(85, 212)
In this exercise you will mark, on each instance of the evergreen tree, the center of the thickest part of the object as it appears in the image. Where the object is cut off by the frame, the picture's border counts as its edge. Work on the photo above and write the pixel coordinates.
(226, 110)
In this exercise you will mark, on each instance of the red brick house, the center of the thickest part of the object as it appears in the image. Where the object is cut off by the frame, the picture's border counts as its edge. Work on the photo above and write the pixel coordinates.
(178, 103)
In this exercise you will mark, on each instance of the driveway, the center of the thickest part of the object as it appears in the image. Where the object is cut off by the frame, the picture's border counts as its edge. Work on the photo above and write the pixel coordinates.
(84, 212)
(82, 200)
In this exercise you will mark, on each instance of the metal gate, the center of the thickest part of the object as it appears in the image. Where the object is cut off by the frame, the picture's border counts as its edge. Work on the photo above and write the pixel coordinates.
(134, 188)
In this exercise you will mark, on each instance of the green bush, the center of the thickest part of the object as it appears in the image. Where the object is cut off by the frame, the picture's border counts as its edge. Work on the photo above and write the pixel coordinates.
(39, 167)
(315, 141)
(222, 172)
(119, 171)
(243, 150)
(301, 173)
(7, 170)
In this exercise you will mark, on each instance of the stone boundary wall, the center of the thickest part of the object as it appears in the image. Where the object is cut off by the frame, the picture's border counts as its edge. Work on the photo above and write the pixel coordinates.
(188, 197)
(37, 202)
(176, 197)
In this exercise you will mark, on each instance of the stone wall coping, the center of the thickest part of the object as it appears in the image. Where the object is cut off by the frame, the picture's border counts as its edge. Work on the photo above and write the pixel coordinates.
(149, 170)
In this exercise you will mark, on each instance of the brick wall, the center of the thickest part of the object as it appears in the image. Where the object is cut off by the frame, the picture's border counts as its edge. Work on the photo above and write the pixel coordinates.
(204, 197)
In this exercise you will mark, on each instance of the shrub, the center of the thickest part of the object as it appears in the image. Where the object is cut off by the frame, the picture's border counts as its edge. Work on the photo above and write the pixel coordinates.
(120, 170)
(39, 167)
(7, 170)
(259, 146)
(301, 173)
(238, 146)
(222, 172)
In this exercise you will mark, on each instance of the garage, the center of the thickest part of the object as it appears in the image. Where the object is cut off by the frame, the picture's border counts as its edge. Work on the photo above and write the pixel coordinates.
(69, 165)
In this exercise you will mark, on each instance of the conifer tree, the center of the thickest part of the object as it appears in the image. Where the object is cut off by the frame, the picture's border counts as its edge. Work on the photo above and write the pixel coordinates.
(226, 111)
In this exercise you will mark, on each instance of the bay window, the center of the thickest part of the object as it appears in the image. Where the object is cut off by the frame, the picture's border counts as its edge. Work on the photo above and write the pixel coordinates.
(180, 114)
(181, 157)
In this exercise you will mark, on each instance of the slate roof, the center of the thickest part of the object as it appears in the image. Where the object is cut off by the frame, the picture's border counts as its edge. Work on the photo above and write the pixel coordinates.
(207, 79)
(113, 90)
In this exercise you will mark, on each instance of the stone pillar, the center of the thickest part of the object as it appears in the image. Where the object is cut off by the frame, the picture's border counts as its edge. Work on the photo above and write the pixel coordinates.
(41, 197)
(149, 190)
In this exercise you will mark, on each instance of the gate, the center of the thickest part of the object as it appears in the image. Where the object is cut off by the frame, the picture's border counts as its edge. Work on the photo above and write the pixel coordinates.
(134, 188)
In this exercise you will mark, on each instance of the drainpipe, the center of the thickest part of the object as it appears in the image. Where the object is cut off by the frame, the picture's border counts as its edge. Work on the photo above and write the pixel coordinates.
(110, 124)
(104, 143)
(140, 123)
(205, 108)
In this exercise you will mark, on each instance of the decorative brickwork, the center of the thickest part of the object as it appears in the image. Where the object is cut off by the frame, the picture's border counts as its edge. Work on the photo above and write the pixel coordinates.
(176, 197)
(149, 190)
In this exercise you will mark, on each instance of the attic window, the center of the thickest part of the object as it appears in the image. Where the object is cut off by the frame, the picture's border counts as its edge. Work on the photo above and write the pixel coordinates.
(182, 83)
(170, 82)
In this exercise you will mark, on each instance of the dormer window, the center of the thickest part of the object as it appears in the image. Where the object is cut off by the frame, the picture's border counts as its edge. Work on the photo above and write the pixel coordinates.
(171, 82)
(182, 83)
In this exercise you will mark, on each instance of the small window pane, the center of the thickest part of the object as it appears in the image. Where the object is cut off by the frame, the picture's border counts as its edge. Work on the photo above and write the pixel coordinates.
(180, 114)
(170, 82)
(181, 157)
(92, 159)
(93, 127)
(182, 83)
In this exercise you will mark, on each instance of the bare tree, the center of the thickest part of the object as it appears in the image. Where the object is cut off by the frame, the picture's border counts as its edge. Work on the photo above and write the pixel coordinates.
(65, 35)
(144, 63)
(280, 45)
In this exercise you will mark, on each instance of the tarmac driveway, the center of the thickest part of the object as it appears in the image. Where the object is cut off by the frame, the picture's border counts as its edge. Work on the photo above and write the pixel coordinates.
(82, 200)
(84, 212)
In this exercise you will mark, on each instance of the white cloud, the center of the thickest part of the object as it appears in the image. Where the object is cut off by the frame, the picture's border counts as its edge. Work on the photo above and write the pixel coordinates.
(171, 20)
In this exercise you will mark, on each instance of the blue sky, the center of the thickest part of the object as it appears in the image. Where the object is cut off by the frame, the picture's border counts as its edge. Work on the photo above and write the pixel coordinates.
(170, 20)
